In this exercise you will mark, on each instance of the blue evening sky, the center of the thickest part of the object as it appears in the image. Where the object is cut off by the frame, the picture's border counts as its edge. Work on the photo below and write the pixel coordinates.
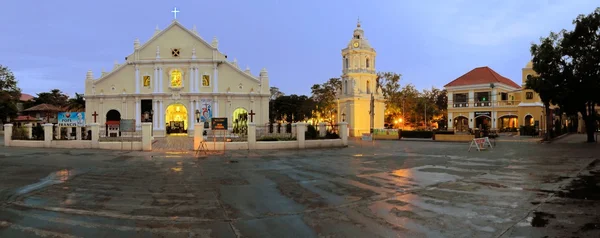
(51, 44)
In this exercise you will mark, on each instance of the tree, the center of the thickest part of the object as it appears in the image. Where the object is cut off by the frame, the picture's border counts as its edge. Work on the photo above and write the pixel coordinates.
(389, 84)
(76, 104)
(10, 94)
(55, 97)
(567, 65)
(549, 65)
(275, 93)
(325, 96)
(292, 108)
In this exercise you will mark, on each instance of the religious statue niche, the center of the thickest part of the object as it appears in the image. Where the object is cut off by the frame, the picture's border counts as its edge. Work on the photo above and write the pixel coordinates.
(146, 80)
(176, 78)
(205, 80)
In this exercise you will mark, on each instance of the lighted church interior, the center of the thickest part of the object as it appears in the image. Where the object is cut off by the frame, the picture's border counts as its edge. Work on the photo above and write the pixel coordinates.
(176, 118)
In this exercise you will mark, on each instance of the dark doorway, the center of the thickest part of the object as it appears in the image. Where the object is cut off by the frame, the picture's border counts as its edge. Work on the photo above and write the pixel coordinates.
(113, 121)
(147, 111)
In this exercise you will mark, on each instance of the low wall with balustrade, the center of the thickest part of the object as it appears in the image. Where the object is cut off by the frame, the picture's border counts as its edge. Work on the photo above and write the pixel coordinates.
(91, 137)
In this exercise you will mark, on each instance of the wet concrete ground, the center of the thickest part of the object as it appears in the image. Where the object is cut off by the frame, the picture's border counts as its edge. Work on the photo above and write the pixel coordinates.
(386, 189)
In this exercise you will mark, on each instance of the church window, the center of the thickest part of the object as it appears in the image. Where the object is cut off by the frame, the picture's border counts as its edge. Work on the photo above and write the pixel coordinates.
(205, 80)
(146, 80)
(529, 95)
(346, 62)
(367, 62)
(346, 86)
(368, 87)
(176, 78)
(175, 52)
(240, 86)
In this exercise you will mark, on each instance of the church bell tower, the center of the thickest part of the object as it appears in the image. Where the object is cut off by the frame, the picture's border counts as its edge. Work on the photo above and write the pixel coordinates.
(361, 104)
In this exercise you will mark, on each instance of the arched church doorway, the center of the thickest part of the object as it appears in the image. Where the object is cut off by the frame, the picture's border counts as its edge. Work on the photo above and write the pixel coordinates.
(176, 119)
(113, 121)
(240, 121)
(461, 124)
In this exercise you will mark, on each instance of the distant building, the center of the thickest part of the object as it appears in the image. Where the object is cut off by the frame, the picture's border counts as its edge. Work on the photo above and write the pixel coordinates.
(482, 97)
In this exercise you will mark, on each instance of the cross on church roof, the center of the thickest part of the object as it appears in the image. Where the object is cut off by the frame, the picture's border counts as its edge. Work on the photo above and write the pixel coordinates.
(175, 12)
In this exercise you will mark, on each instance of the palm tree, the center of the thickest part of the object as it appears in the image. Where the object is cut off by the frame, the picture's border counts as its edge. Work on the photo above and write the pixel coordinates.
(76, 104)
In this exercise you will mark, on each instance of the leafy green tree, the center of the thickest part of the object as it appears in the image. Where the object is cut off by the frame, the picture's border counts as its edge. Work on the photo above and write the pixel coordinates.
(10, 94)
(389, 84)
(55, 97)
(325, 96)
(549, 64)
(568, 65)
(76, 104)
(275, 93)
(292, 108)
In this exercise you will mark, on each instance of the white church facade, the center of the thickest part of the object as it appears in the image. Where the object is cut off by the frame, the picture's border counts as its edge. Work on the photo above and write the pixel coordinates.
(176, 79)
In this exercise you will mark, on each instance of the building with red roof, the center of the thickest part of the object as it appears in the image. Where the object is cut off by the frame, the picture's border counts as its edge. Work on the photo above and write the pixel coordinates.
(484, 98)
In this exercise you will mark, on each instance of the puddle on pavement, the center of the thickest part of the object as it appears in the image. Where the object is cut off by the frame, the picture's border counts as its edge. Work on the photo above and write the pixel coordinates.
(425, 178)
(585, 187)
(540, 219)
(57, 177)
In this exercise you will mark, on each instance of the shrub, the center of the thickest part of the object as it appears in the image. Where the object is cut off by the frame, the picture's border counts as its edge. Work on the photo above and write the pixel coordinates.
(527, 130)
(311, 133)
(332, 135)
(417, 134)
(19, 133)
(444, 132)
(38, 132)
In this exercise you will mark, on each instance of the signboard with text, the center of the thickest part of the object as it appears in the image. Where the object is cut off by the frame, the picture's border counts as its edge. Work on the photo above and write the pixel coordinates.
(71, 119)
(127, 125)
(488, 113)
(219, 123)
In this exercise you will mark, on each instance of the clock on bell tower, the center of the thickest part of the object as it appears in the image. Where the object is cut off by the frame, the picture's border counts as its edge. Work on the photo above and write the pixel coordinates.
(359, 82)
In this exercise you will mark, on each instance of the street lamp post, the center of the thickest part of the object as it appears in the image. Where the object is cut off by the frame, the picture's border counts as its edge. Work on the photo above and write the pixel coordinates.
(493, 96)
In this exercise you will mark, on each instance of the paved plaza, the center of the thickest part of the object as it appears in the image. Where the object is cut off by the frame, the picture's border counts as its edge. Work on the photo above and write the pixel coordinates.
(380, 189)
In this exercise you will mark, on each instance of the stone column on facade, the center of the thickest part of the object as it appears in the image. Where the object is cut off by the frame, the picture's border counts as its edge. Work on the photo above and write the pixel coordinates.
(8, 129)
(138, 114)
(471, 98)
(95, 130)
(48, 134)
(160, 79)
(146, 136)
(191, 118)
(472, 120)
(161, 123)
(450, 121)
(155, 115)
(215, 80)
(197, 79)
(215, 108)
(29, 128)
(192, 81)
(251, 136)
(137, 79)
(155, 79)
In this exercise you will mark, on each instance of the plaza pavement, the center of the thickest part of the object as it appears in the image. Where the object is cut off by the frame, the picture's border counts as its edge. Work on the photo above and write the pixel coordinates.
(370, 189)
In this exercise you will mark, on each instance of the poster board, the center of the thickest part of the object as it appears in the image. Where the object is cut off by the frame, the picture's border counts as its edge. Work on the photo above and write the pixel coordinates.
(480, 143)
(367, 136)
(219, 123)
(127, 125)
(71, 119)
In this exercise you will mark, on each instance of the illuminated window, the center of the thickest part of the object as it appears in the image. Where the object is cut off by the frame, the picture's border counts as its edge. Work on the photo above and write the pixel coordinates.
(176, 79)
(205, 80)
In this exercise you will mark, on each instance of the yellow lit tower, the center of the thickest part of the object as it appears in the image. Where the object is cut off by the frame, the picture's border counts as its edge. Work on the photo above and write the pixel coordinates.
(359, 87)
